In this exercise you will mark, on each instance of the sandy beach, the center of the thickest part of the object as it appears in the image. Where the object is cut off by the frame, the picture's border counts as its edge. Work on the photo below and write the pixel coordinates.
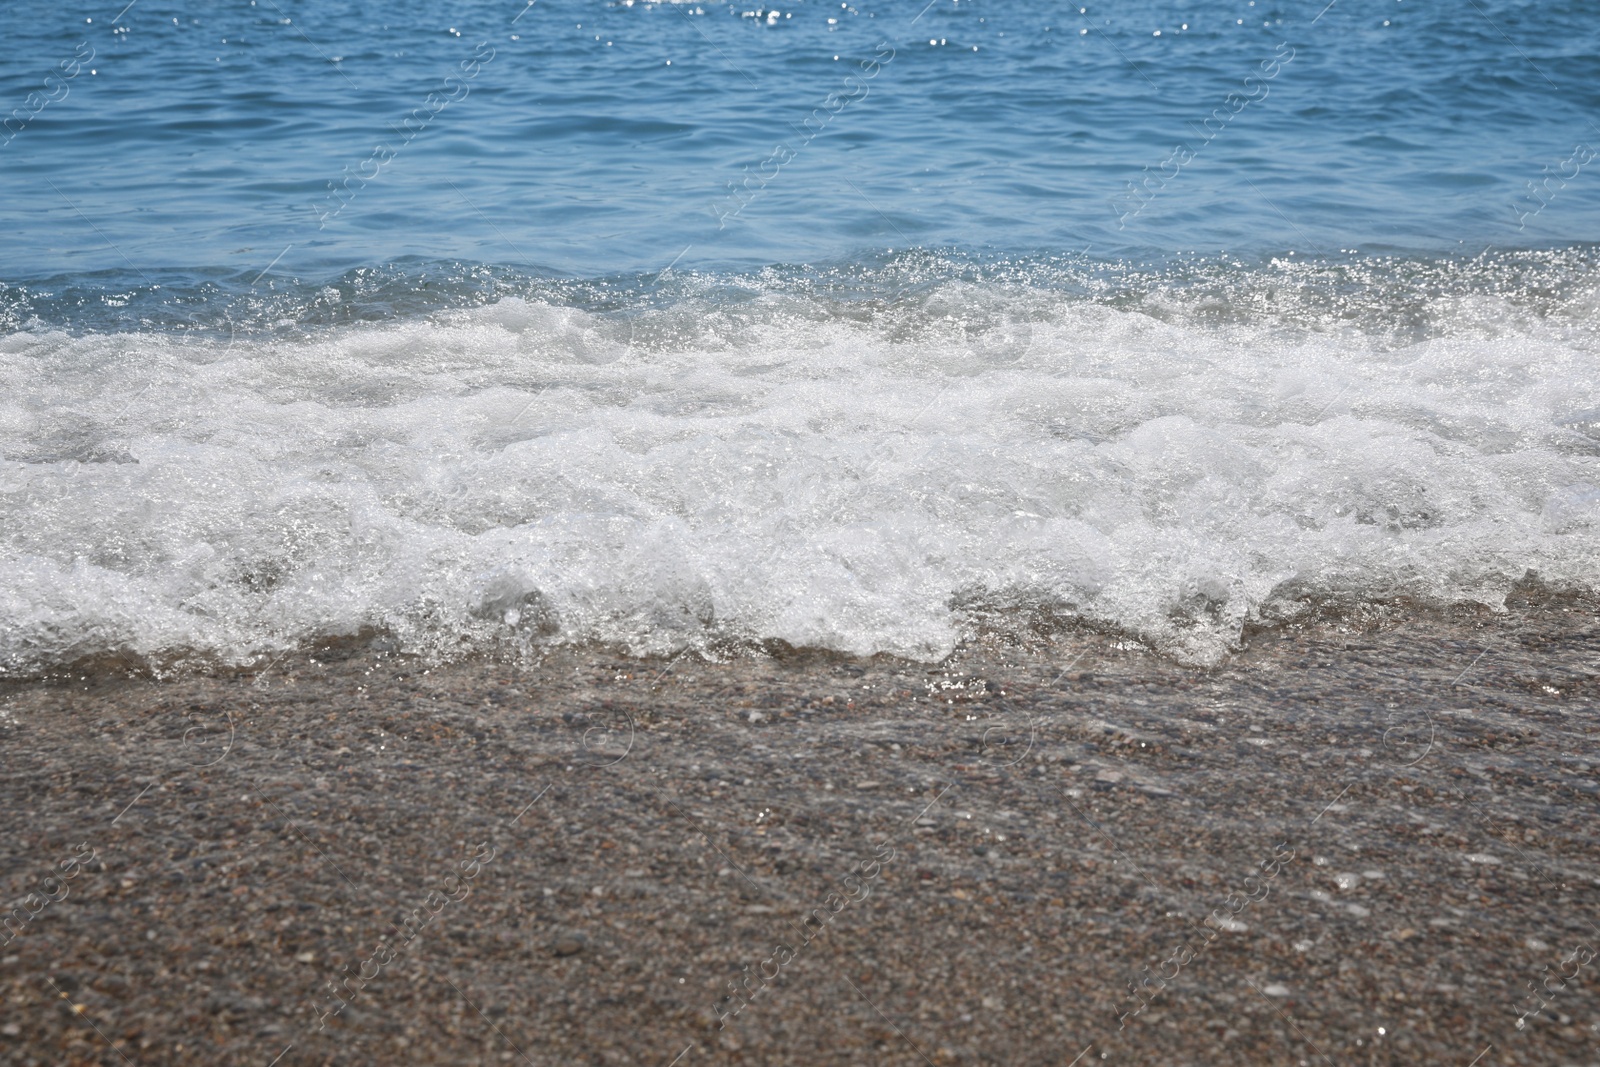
(1350, 845)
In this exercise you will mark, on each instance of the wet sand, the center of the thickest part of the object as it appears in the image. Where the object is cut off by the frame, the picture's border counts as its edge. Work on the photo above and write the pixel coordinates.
(1352, 844)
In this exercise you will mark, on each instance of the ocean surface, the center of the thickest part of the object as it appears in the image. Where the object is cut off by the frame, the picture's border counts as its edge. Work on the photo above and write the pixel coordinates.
(474, 327)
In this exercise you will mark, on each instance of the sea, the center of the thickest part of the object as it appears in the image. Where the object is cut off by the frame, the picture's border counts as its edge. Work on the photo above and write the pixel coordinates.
(478, 328)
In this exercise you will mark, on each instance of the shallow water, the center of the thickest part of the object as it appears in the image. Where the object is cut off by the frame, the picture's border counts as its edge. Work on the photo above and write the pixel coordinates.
(593, 138)
(598, 348)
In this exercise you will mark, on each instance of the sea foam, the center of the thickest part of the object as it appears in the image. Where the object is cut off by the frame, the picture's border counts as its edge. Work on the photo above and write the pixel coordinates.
(857, 475)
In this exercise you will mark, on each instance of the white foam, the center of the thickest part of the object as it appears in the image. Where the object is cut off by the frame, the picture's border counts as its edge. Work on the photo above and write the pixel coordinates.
(777, 470)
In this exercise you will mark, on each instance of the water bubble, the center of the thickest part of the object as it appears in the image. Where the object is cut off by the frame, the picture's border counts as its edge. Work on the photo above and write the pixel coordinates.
(209, 740)
(1008, 743)
(212, 334)
(1004, 342)
(607, 742)
(1409, 737)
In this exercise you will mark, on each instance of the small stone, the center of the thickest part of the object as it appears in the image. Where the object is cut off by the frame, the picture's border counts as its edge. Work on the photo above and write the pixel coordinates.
(305, 957)
(1276, 989)
(569, 944)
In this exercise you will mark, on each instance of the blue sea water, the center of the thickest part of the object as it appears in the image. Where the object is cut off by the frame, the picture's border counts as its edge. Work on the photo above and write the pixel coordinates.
(487, 325)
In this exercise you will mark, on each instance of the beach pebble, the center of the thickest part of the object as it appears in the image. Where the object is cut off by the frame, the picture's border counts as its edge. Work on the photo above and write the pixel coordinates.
(1105, 779)
(1001, 878)
(569, 944)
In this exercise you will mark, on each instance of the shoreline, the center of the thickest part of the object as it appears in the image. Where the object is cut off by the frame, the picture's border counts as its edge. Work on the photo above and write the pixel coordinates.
(1008, 857)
